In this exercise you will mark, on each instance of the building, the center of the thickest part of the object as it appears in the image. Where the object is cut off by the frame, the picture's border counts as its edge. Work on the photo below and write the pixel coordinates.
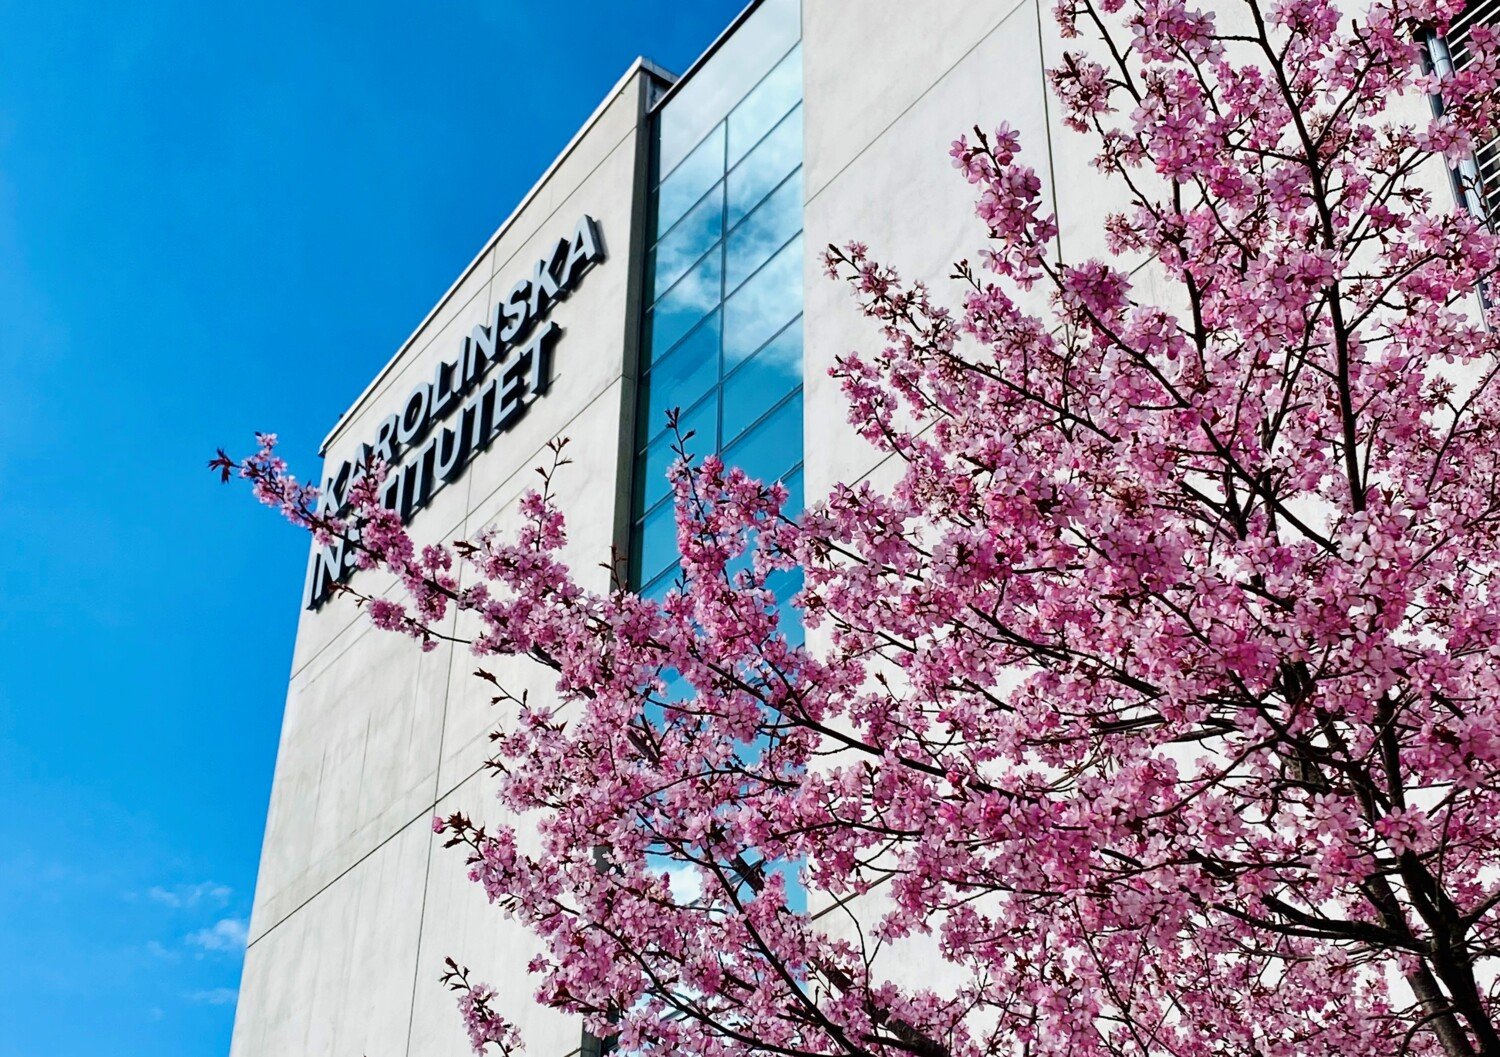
(1475, 180)
(662, 260)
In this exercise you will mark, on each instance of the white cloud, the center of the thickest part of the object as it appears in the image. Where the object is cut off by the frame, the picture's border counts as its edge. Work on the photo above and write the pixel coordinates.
(217, 996)
(157, 949)
(191, 895)
(686, 881)
(226, 934)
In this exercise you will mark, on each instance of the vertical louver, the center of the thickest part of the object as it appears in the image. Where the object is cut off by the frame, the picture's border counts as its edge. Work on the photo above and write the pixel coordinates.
(1487, 156)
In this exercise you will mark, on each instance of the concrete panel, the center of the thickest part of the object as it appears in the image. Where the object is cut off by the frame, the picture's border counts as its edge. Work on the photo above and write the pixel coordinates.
(913, 962)
(552, 203)
(1082, 196)
(446, 508)
(460, 923)
(908, 171)
(358, 761)
(587, 357)
(335, 929)
(614, 124)
(269, 1018)
(336, 977)
(334, 625)
(586, 490)
(374, 990)
(439, 337)
(863, 71)
(596, 177)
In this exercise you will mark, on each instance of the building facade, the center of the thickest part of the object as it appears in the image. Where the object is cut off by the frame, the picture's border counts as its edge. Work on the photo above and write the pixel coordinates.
(666, 259)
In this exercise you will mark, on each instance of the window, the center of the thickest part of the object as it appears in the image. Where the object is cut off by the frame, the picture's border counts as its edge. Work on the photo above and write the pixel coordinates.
(722, 339)
(728, 76)
(765, 167)
(723, 321)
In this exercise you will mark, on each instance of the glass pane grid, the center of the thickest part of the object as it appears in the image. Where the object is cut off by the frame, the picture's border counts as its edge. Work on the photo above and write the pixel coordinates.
(777, 175)
(758, 173)
(711, 269)
(653, 503)
(723, 324)
(765, 105)
(698, 171)
(659, 386)
(760, 383)
(699, 230)
(677, 166)
(792, 329)
(757, 238)
(678, 223)
(678, 378)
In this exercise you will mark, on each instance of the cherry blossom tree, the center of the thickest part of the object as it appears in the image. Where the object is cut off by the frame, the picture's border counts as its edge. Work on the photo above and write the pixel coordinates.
(1153, 708)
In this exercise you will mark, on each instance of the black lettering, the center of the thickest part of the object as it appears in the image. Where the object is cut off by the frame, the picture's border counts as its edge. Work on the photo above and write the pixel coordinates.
(515, 310)
(544, 283)
(331, 498)
(452, 446)
(384, 447)
(485, 338)
(479, 412)
(584, 249)
(444, 392)
(414, 414)
(393, 495)
(540, 349)
(328, 569)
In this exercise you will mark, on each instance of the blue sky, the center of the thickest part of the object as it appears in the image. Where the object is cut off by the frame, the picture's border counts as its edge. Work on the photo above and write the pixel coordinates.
(214, 218)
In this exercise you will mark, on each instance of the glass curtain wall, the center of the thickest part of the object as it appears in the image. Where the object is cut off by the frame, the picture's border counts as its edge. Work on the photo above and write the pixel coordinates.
(722, 335)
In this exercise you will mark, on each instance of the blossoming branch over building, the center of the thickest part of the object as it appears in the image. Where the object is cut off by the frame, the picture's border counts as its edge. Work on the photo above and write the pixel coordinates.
(667, 259)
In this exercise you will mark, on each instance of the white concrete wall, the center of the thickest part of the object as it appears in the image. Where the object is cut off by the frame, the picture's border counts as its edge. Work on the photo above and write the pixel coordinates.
(356, 903)
(877, 166)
